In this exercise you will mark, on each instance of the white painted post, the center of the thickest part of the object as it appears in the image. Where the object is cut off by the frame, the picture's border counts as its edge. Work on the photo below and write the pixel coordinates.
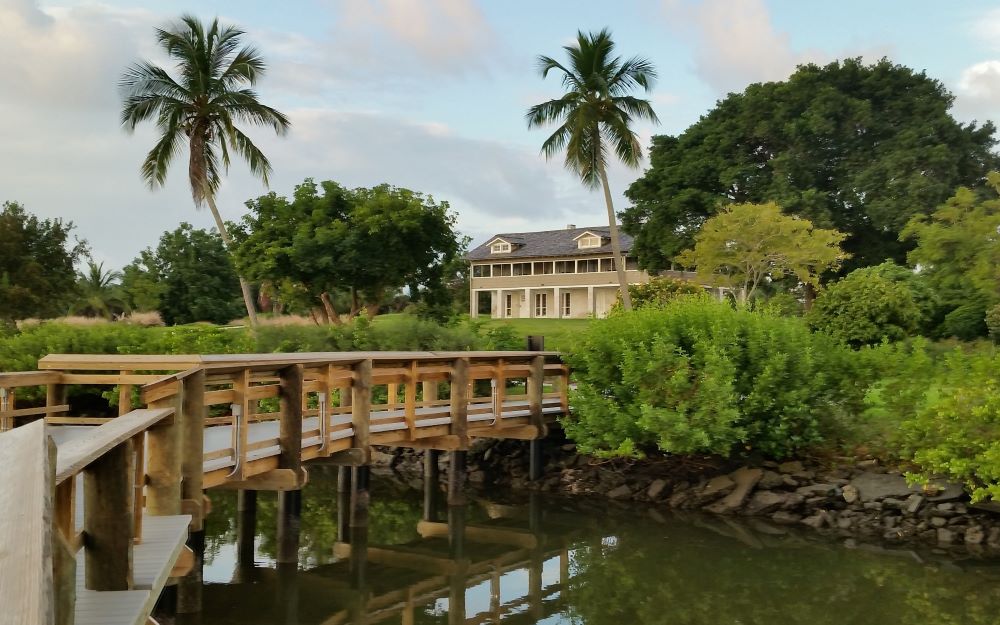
(528, 302)
(591, 302)
(558, 302)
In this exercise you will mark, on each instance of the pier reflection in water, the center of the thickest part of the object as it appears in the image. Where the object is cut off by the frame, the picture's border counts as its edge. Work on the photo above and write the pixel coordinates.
(293, 560)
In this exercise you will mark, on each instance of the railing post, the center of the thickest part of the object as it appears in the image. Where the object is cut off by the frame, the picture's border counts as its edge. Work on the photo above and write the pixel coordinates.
(459, 394)
(535, 388)
(163, 461)
(290, 435)
(361, 405)
(107, 520)
(193, 428)
(124, 396)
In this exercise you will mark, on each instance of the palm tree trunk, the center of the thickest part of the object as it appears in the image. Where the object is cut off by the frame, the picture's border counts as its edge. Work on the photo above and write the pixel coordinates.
(616, 243)
(244, 285)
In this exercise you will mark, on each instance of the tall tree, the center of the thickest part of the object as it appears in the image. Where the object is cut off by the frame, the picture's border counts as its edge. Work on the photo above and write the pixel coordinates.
(328, 241)
(189, 277)
(747, 244)
(860, 148)
(203, 105)
(595, 116)
(37, 256)
(99, 292)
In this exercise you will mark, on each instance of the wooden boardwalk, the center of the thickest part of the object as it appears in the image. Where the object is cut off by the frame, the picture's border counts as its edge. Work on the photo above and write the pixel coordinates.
(116, 496)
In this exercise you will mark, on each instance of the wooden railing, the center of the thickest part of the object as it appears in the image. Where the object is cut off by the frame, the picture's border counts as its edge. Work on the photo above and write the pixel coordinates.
(231, 421)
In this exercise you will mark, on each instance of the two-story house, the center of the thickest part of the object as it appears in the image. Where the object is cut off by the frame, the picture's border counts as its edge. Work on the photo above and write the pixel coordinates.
(553, 274)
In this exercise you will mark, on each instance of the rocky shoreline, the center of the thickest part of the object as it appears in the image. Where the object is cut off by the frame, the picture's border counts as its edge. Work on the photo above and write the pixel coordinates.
(844, 498)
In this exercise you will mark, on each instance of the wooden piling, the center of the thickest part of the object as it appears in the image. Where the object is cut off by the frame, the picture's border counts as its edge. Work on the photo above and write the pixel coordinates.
(290, 436)
(456, 478)
(361, 405)
(107, 520)
(192, 419)
(459, 407)
(163, 461)
(289, 526)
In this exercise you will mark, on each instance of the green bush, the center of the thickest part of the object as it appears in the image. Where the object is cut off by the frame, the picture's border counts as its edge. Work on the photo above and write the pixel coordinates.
(698, 376)
(867, 307)
(967, 322)
(993, 323)
(658, 292)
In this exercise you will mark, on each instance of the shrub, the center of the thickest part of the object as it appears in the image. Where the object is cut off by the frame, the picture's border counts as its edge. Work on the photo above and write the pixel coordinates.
(658, 292)
(697, 376)
(865, 308)
(993, 323)
(967, 322)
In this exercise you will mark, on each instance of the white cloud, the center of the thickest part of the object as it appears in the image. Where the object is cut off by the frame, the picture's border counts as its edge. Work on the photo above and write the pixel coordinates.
(736, 43)
(987, 28)
(978, 91)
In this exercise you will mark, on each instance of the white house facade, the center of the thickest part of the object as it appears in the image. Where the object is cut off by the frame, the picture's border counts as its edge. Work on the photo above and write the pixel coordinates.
(554, 274)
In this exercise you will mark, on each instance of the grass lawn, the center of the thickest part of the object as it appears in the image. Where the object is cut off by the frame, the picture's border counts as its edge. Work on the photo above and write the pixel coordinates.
(559, 333)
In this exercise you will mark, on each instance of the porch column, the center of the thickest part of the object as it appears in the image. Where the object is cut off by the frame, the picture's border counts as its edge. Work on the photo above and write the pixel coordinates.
(591, 302)
(558, 302)
(498, 304)
(527, 302)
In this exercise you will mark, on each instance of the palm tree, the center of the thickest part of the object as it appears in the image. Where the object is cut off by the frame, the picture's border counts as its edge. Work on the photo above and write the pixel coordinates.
(595, 116)
(213, 91)
(99, 291)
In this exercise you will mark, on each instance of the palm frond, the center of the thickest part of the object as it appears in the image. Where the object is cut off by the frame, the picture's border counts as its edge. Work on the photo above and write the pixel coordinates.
(157, 162)
(258, 163)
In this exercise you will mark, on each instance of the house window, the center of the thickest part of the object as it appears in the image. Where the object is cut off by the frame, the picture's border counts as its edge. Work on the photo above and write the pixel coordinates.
(541, 301)
(543, 268)
(589, 241)
(589, 265)
(565, 266)
(501, 269)
(480, 271)
(607, 264)
(631, 264)
(500, 247)
(522, 269)
(566, 308)
(508, 304)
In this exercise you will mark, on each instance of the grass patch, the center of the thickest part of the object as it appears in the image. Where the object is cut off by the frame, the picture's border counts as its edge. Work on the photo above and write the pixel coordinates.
(560, 334)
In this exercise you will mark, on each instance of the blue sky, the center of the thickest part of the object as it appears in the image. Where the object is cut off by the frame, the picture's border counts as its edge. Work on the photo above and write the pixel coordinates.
(428, 94)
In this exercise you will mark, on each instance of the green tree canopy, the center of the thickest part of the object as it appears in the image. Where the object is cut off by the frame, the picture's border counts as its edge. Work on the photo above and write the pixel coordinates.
(189, 277)
(860, 148)
(958, 252)
(328, 240)
(746, 245)
(37, 278)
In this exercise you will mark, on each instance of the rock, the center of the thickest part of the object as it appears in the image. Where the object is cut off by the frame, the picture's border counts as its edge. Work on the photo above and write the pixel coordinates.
(679, 498)
(851, 493)
(786, 518)
(815, 521)
(770, 480)
(974, 535)
(764, 501)
(913, 503)
(744, 480)
(844, 522)
(656, 489)
(569, 447)
(620, 492)
(814, 490)
(994, 538)
(872, 486)
(945, 536)
(478, 477)
(718, 486)
(939, 521)
(945, 507)
(944, 491)
(793, 466)
(788, 480)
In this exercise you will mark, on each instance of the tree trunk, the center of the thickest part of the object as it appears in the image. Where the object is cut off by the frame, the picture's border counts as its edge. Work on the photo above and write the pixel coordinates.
(244, 285)
(331, 312)
(809, 296)
(355, 305)
(616, 244)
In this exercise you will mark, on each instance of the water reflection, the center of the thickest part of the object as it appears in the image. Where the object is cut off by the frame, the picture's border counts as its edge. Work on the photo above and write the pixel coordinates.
(536, 561)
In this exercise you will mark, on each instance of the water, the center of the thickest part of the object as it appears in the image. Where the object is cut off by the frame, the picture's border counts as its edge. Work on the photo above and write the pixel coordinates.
(557, 561)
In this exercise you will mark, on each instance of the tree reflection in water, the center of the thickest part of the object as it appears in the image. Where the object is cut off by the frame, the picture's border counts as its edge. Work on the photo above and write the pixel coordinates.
(511, 562)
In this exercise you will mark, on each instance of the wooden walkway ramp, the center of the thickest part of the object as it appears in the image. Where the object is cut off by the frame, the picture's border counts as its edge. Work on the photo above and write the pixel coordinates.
(95, 524)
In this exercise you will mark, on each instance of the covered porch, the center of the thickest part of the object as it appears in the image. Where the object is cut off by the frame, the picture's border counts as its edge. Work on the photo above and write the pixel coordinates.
(543, 302)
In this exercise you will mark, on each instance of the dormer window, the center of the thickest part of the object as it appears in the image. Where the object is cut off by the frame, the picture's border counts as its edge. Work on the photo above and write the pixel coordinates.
(500, 247)
(589, 241)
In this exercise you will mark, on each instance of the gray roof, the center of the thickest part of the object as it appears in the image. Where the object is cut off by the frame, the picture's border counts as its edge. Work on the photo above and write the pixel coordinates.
(548, 243)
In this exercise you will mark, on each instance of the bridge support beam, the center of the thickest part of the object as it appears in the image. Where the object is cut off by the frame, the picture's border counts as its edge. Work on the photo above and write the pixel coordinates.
(289, 525)
(432, 484)
(360, 496)
(344, 504)
(536, 460)
(246, 533)
(456, 478)
(189, 586)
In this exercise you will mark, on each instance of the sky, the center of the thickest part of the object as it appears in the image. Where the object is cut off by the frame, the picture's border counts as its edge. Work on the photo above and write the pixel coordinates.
(424, 94)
